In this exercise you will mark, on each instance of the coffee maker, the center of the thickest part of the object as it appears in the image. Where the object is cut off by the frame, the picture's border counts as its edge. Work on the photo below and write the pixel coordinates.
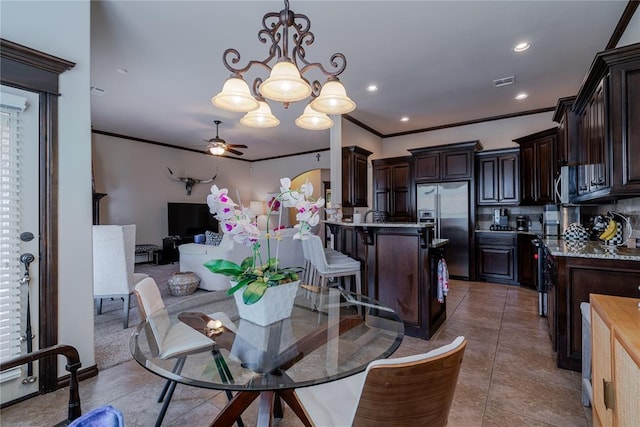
(500, 220)
(522, 223)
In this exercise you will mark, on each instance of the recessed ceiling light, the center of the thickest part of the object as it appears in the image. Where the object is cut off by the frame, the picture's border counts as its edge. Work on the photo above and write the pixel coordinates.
(521, 96)
(372, 88)
(404, 119)
(521, 47)
(121, 71)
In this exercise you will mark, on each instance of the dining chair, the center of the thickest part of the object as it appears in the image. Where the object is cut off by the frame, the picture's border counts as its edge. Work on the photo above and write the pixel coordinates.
(408, 391)
(171, 340)
(113, 264)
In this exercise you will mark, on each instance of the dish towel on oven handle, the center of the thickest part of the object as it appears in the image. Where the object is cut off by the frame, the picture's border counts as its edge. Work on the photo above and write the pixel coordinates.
(443, 280)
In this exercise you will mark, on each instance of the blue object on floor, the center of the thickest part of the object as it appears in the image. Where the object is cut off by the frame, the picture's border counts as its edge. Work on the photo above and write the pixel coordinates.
(104, 416)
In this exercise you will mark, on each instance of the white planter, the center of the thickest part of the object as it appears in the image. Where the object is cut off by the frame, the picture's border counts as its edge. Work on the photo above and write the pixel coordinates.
(276, 304)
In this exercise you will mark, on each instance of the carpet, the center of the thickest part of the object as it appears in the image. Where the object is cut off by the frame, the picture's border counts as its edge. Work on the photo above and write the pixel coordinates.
(111, 340)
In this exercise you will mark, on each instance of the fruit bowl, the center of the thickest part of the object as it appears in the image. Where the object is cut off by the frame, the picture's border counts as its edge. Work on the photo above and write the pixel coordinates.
(615, 234)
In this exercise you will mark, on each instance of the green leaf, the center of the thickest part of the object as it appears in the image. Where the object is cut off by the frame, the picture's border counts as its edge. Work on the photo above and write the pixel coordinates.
(224, 267)
(247, 263)
(239, 285)
(254, 292)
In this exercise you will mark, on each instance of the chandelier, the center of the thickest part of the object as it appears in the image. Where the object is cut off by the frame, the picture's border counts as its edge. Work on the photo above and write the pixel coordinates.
(286, 82)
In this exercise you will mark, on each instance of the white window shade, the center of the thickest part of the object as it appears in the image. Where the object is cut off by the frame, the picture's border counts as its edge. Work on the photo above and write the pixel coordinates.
(10, 292)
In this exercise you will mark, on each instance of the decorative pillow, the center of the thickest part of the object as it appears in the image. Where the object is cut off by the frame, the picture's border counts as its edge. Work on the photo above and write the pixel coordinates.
(212, 238)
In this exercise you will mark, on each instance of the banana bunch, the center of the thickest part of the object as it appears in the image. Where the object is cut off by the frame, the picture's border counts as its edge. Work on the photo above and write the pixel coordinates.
(609, 232)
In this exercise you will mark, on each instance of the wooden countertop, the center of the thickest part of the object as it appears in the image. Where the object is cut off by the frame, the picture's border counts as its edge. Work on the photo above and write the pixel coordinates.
(623, 316)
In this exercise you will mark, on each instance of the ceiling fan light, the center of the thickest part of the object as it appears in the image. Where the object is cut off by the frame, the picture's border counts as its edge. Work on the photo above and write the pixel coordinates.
(235, 96)
(216, 150)
(260, 118)
(333, 99)
(285, 84)
(313, 120)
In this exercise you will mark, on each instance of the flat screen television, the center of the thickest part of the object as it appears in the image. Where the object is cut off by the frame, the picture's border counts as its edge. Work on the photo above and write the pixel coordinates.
(188, 219)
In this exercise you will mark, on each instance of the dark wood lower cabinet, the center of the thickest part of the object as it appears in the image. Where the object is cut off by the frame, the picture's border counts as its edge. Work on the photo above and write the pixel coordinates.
(497, 257)
(526, 261)
(577, 278)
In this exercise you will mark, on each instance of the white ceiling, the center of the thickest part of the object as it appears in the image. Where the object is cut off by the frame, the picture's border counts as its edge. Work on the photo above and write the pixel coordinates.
(433, 61)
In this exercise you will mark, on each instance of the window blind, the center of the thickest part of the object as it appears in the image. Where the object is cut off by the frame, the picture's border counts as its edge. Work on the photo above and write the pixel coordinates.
(10, 270)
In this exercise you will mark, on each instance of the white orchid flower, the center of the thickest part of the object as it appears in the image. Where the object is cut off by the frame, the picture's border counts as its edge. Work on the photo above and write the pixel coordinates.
(285, 184)
(307, 189)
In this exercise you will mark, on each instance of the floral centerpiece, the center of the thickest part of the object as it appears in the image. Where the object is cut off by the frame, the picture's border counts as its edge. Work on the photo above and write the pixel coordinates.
(255, 275)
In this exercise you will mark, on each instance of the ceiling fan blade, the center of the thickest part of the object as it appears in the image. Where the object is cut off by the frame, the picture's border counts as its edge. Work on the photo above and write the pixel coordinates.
(236, 152)
(237, 146)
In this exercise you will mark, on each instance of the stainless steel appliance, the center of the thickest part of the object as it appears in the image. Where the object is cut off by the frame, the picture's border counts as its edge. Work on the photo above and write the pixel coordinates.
(551, 221)
(545, 274)
(447, 206)
(568, 215)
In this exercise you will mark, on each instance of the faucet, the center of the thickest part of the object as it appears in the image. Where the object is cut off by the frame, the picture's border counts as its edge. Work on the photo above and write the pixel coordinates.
(364, 218)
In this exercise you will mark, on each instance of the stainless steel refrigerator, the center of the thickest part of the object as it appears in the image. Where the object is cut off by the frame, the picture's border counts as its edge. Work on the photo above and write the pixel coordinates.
(447, 206)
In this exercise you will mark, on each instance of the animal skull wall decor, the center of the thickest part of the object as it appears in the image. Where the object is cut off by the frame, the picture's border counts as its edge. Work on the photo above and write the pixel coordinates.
(190, 182)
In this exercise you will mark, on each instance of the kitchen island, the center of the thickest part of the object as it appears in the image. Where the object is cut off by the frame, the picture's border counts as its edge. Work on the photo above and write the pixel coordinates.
(399, 269)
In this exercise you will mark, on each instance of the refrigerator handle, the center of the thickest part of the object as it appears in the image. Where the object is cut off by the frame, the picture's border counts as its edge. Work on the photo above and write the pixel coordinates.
(437, 203)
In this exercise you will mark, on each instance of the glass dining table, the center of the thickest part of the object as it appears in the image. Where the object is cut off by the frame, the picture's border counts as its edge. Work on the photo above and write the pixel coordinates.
(331, 334)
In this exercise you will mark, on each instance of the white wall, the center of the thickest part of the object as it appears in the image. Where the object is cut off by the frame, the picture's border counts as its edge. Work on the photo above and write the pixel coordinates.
(492, 135)
(135, 177)
(62, 29)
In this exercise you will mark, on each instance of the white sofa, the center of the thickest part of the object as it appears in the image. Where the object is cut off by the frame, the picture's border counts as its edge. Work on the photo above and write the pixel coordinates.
(194, 255)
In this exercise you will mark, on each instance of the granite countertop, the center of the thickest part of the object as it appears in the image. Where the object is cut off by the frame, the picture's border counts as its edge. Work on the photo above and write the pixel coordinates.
(381, 224)
(532, 233)
(590, 249)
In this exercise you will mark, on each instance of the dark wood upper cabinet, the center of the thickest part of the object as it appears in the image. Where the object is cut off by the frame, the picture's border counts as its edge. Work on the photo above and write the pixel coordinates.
(354, 176)
(606, 140)
(566, 155)
(498, 177)
(538, 167)
(452, 162)
(393, 190)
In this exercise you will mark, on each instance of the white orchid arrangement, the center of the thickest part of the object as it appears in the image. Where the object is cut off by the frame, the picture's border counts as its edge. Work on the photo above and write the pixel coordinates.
(254, 275)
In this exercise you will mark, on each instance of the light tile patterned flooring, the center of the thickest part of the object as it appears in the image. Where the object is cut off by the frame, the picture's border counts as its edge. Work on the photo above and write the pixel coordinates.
(508, 376)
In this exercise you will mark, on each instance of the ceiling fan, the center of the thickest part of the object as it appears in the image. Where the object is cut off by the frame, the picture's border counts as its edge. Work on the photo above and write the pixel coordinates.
(218, 146)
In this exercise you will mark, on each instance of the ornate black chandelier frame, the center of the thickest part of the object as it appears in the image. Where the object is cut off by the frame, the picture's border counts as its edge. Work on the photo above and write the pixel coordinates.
(275, 29)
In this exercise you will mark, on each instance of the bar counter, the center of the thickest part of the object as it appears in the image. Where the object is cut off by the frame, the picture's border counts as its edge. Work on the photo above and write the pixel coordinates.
(399, 268)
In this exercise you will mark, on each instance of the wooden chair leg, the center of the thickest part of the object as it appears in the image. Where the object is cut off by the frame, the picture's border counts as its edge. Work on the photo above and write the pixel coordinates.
(99, 301)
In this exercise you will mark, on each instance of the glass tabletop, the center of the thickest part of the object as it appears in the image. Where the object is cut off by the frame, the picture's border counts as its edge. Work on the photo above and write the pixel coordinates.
(318, 343)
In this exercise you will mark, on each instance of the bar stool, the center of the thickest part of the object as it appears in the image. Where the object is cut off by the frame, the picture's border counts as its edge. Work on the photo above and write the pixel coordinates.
(338, 265)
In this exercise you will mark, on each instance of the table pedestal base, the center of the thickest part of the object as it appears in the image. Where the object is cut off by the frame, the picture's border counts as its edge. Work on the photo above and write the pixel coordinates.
(269, 405)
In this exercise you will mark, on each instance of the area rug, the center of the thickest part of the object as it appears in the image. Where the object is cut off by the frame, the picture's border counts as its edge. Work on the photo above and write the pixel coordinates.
(111, 340)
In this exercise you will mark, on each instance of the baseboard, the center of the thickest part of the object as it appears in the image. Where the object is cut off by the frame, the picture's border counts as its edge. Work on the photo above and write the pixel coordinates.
(62, 382)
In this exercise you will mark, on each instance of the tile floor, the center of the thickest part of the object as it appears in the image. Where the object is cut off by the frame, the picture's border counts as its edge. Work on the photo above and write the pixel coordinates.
(508, 375)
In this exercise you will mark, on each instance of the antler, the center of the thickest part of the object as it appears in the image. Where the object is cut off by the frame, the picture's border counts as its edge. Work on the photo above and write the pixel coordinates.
(190, 182)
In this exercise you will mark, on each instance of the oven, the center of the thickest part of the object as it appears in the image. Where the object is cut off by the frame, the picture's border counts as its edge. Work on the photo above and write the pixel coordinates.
(545, 276)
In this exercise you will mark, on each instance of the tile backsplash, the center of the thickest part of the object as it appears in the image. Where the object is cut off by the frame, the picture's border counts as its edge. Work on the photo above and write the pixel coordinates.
(484, 216)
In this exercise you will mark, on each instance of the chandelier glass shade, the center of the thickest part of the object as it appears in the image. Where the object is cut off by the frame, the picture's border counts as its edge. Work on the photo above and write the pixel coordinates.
(235, 96)
(313, 120)
(287, 82)
(333, 99)
(260, 118)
